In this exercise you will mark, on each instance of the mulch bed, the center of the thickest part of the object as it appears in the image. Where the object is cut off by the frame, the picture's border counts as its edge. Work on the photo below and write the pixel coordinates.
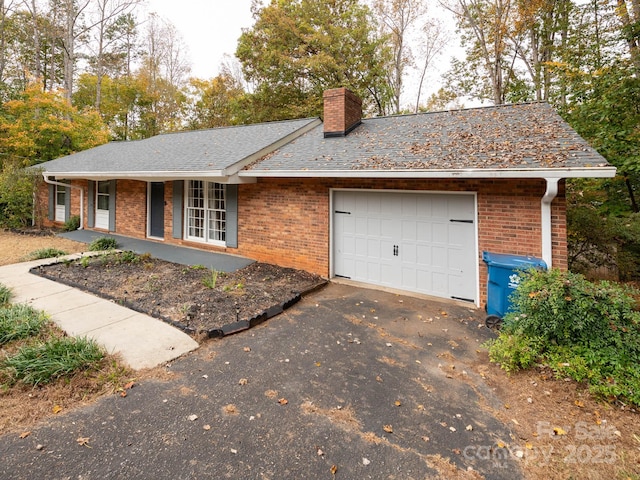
(196, 299)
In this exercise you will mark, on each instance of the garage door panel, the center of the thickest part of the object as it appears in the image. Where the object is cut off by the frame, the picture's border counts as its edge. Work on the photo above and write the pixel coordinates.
(440, 233)
(373, 227)
(424, 231)
(423, 256)
(408, 241)
(409, 278)
(409, 230)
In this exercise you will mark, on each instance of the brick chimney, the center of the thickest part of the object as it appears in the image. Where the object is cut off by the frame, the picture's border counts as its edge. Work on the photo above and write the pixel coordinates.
(342, 112)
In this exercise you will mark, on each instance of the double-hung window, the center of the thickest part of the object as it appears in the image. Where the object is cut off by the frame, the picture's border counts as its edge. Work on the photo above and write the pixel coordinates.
(206, 212)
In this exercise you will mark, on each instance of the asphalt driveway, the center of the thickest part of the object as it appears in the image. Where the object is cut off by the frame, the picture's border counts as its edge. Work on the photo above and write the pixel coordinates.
(350, 383)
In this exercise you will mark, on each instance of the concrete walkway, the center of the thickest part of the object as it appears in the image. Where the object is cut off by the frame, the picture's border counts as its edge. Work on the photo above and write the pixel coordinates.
(141, 341)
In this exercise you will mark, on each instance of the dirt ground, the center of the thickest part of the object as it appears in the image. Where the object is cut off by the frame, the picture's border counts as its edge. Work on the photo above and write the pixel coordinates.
(561, 430)
(196, 297)
(15, 247)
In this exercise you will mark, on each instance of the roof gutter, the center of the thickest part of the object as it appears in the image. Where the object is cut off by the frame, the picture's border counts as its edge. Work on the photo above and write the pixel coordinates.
(548, 197)
(592, 172)
(68, 185)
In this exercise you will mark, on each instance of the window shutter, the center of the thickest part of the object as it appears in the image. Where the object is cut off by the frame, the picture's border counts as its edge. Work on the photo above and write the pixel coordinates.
(67, 203)
(52, 202)
(178, 196)
(91, 204)
(112, 205)
(232, 215)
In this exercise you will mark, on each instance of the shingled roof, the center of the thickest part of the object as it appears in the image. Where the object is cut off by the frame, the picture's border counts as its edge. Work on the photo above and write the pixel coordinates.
(510, 140)
(213, 153)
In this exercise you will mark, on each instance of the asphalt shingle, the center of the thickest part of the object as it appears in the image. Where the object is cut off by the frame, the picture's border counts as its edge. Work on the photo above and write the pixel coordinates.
(525, 136)
(198, 151)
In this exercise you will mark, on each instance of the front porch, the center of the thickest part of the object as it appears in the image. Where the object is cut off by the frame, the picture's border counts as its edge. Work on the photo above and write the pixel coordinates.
(222, 262)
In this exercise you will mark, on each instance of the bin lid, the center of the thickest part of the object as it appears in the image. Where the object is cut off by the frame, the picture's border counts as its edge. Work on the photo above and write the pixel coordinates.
(512, 261)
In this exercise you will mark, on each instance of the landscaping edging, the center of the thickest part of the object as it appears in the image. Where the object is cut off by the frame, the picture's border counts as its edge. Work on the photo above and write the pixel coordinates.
(227, 329)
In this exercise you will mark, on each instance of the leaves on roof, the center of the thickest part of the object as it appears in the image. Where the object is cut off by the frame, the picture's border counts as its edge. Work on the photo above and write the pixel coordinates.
(518, 136)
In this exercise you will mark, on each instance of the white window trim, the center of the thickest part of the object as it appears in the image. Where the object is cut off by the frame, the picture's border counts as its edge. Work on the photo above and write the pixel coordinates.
(205, 240)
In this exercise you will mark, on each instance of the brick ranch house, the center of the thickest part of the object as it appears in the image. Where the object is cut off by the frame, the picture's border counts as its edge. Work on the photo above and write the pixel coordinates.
(406, 202)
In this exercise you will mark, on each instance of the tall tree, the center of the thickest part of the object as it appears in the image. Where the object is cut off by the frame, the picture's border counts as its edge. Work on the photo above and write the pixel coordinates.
(214, 101)
(298, 48)
(41, 126)
(397, 17)
(486, 25)
(112, 19)
(434, 40)
(164, 72)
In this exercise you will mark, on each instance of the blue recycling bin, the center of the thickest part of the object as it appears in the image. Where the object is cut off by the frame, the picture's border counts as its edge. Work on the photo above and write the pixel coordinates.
(503, 279)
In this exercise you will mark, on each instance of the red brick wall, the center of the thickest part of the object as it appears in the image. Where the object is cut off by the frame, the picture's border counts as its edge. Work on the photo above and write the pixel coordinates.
(286, 222)
(131, 208)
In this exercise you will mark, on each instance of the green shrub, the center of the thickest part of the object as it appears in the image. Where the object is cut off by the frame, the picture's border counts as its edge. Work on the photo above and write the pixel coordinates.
(5, 294)
(587, 331)
(46, 253)
(72, 224)
(20, 321)
(128, 257)
(103, 243)
(42, 363)
(16, 194)
(515, 352)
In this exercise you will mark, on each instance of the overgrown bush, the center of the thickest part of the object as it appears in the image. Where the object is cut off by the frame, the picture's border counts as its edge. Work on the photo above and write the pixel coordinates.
(72, 224)
(580, 329)
(602, 230)
(103, 243)
(16, 195)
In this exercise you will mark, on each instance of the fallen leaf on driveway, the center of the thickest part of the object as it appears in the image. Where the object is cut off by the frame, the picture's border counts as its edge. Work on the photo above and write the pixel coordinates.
(193, 418)
(129, 385)
(387, 428)
(56, 409)
(83, 441)
(283, 401)
(247, 349)
(334, 469)
(243, 381)
(559, 431)
(25, 434)
(365, 461)
(397, 403)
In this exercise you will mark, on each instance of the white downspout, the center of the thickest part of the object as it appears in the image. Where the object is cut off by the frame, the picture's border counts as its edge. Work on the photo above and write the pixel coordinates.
(549, 195)
(68, 185)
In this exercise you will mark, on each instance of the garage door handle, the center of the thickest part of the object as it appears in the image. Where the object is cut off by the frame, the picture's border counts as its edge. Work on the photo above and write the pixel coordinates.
(340, 211)
(395, 250)
(461, 221)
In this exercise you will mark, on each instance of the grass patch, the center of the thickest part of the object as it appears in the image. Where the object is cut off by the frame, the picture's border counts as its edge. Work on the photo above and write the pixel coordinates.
(20, 321)
(42, 363)
(5, 295)
(46, 253)
(103, 243)
(211, 280)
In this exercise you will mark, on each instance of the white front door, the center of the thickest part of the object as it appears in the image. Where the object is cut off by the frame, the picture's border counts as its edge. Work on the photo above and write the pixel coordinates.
(61, 210)
(421, 242)
(102, 205)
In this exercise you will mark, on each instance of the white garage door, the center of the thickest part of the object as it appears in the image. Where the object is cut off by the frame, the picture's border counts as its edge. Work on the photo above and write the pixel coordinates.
(421, 242)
